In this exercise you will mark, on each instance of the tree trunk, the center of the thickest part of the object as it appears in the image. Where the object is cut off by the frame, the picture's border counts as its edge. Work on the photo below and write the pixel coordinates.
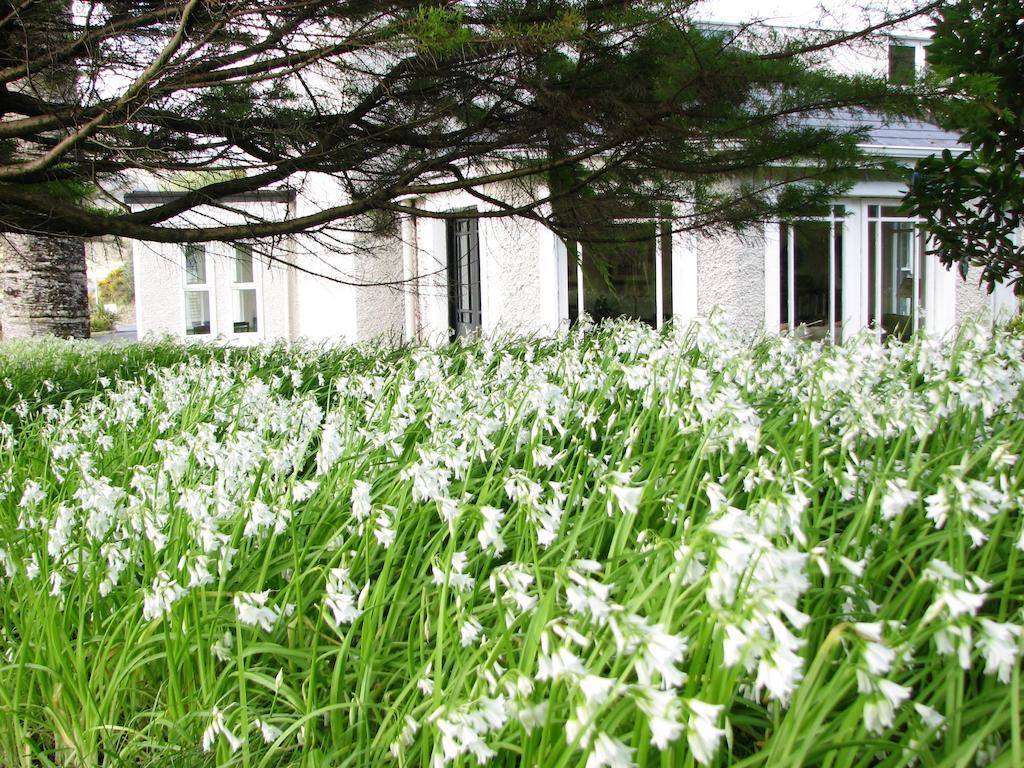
(42, 286)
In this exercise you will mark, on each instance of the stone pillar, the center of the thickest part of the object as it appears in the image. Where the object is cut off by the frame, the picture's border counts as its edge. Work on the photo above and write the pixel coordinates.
(42, 286)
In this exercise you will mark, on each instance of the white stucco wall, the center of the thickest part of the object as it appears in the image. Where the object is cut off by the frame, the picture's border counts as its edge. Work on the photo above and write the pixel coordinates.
(972, 300)
(518, 268)
(160, 281)
(379, 293)
(731, 280)
(323, 308)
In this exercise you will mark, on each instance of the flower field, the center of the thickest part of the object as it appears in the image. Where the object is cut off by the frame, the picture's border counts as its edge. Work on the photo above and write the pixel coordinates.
(614, 548)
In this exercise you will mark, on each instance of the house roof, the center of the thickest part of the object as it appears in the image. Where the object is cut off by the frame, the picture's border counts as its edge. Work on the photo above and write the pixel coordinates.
(895, 138)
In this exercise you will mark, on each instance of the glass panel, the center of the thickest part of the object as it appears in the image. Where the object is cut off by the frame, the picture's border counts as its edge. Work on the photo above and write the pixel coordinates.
(666, 272)
(811, 250)
(245, 310)
(464, 299)
(619, 277)
(815, 298)
(572, 280)
(894, 262)
(901, 64)
(243, 264)
(784, 277)
(195, 265)
(197, 313)
(837, 296)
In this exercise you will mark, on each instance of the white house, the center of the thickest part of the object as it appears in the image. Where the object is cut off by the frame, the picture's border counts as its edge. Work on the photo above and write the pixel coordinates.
(863, 266)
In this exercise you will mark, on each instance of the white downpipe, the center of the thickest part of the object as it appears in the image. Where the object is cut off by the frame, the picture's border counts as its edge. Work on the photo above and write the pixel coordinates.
(409, 275)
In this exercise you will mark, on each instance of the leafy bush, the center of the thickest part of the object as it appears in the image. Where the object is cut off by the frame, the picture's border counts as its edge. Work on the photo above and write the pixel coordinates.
(101, 319)
(118, 287)
(616, 548)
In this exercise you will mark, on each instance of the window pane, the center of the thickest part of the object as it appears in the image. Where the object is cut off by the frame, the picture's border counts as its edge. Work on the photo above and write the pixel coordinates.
(245, 310)
(784, 231)
(197, 313)
(572, 279)
(195, 264)
(901, 64)
(837, 298)
(243, 264)
(897, 247)
(811, 250)
(464, 300)
(666, 272)
(619, 276)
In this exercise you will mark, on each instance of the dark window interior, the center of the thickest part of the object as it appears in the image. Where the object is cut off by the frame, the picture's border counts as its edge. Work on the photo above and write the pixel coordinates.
(901, 64)
(464, 315)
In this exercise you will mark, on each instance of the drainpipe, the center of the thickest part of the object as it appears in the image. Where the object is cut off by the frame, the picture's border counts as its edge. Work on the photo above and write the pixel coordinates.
(410, 275)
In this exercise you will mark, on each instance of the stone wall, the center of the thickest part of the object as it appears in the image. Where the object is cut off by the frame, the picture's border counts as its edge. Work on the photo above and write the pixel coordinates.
(42, 287)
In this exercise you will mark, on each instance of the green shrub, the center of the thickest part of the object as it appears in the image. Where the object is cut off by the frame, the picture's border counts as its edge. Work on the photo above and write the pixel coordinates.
(101, 319)
(118, 287)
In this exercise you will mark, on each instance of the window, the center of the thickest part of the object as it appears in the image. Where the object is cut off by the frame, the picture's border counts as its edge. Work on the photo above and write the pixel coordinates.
(464, 308)
(897, 272)
(197, 291)
(625, 271)
(811, 277)
(243, 292)
(902, 69)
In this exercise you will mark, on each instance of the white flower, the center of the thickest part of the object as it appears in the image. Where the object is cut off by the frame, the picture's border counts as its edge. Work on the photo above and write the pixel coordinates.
(410, 727)
(856, 567)
(533, 716)
(702, 732)
(217, 727)
(897, 498)
(458, 579)
(627, 496)
(383, 531)
(469, 631)
(880, 709)
(222, 648)
(199, 573)
(1000, 643)
(779, 672)
(341, 597)
(562, 663)
(164, 593)
(663, 714)
(271, 733)
(361, 505)
(33, 494)
(489, 535)
(937, 507)
(610, 752)
(252, 610)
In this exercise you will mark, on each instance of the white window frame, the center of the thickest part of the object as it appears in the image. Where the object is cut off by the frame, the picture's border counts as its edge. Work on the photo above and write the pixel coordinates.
(206, 287)
(659, 277)
(834, 220)
(929, 287)
(920, 54)
(939, 286)
(253, 285)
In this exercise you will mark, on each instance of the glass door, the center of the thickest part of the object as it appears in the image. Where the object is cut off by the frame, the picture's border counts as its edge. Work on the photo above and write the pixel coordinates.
(896, 272)
(811, 277)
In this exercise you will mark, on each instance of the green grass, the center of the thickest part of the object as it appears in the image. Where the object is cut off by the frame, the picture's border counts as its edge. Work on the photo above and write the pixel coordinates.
(613, 548)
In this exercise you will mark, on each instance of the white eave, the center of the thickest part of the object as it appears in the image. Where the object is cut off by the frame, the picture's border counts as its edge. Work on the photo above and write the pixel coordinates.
(909, 152)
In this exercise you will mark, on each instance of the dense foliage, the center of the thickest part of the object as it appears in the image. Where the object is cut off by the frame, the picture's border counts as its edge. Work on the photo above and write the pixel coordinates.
(613, 548)
(973, 201)
(382, 102)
